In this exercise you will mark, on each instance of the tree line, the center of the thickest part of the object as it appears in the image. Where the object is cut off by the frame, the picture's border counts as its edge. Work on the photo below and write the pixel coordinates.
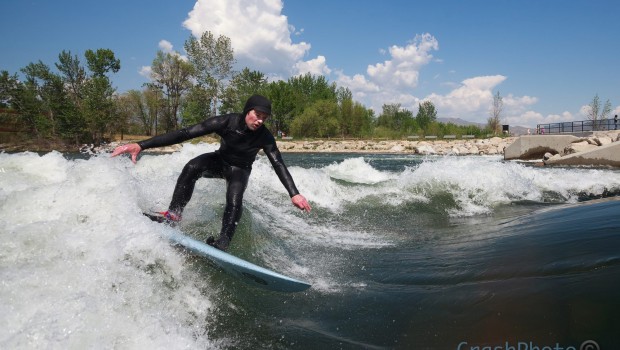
(74, 103)
(77, 102)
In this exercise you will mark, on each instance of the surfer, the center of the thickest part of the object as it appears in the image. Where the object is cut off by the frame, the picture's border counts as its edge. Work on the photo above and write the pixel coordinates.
(242, 136)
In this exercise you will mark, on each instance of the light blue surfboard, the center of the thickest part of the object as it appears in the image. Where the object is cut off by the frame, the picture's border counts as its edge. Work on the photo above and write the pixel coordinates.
(248, 272)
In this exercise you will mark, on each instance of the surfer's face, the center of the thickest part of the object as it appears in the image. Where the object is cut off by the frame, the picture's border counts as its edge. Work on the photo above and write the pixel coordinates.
(255, 119)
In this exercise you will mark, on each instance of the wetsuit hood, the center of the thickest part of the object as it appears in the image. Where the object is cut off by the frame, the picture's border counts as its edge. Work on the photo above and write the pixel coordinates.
(259, 103)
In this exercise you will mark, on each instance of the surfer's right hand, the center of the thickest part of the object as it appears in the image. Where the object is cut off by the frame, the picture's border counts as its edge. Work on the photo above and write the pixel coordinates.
(300, 202)
(131, 148)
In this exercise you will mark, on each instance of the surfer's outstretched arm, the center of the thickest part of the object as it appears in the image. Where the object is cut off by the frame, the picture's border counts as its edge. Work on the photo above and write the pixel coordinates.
(131, 148)
(275, 157)
(206, 127)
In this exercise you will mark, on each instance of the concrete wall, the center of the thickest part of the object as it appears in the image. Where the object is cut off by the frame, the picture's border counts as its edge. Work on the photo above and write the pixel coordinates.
(535, 146)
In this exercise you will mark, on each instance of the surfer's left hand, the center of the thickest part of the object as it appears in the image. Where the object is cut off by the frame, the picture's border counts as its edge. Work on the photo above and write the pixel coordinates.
(300, 202)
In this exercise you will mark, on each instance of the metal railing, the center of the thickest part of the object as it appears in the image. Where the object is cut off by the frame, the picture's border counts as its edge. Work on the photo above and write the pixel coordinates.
(579, 126)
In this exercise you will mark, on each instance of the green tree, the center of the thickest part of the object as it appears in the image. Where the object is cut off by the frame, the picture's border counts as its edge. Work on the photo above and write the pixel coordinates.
(97, 106)
(345, 100)
(197, 105)
(355, 119)
(8, 85)
(243, 85)
(102, 61)
(283, 105)
(72, 124)
(395, 118)
(70, 104)
(52, 114)
(388, 114)
(154, 102)
(146, 107)
(73, 75)
(123, 112)
(598, 113)
(362, 121)
(9, 116)
(213, 60)
(29, 100)
(495, 122)
(171, 75)
(318, 120)
(308, 89)
(427, 114)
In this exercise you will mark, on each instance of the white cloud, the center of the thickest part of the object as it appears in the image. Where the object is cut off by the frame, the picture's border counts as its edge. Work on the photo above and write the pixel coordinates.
(261, 39)
(145, 71)
(292, 29)
(260, 35)
(514, 103)
(165, 46)
(558, 118)
(392, 80)
(316, 66)
(584, 111)
(403, 69)
(532, 118)
(473, 97)
(528, 118)
(356, 83)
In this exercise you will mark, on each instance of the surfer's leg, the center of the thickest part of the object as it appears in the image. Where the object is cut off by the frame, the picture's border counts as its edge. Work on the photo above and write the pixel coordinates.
(236, 183)
(206, 165)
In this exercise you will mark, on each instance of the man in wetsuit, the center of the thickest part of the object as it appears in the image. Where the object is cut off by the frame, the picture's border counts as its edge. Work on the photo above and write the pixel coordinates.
(242, 136)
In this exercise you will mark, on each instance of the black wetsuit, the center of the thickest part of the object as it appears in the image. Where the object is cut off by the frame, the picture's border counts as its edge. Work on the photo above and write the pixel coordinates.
(233, 162)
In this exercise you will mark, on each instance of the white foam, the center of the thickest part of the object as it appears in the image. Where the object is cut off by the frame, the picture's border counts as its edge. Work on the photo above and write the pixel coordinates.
(477, 184)
(82, 268)
(356, 170)
(308, 239)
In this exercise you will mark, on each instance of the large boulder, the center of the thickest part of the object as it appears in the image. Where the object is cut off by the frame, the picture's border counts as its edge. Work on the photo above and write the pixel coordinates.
(577, 147)
(608, 155)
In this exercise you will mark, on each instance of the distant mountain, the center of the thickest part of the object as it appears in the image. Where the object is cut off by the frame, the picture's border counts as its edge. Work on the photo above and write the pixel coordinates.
(459, 121)
(514, 130)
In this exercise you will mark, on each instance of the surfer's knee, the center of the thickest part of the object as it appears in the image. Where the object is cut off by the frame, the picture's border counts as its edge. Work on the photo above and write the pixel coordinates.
(192, 168)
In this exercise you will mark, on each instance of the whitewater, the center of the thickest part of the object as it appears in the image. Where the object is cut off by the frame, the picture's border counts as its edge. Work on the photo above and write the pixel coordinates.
(81, 267)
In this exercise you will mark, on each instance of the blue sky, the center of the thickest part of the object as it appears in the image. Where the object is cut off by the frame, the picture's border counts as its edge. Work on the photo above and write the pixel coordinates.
(547, 58)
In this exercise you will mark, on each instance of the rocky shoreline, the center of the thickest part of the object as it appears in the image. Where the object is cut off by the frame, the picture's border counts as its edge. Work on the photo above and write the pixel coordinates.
(492, 146)
(548, 149)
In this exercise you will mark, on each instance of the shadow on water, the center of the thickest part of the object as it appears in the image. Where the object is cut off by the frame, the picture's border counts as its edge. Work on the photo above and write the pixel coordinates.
(548, 278)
